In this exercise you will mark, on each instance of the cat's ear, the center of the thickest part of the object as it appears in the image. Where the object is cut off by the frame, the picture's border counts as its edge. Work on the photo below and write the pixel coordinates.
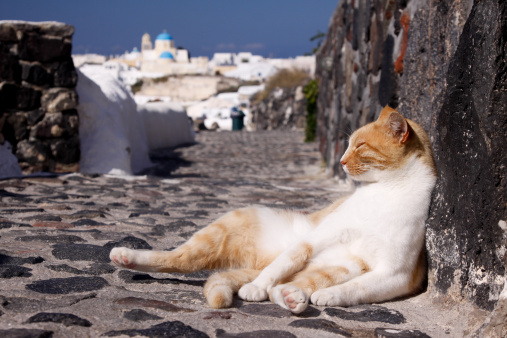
(397, 126)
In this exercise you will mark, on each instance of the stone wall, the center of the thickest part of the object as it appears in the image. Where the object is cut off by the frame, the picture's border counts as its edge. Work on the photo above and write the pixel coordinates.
(284, 108)
(443, 64)
(37, 95)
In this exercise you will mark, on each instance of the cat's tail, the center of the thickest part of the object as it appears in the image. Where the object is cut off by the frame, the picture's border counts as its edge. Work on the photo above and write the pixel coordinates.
(221, 287)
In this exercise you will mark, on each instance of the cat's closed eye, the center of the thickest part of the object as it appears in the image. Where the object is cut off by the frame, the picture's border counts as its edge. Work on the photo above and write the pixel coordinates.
(360, 144)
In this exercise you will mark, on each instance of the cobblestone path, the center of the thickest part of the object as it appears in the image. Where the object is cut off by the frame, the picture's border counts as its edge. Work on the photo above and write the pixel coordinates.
(56, 233)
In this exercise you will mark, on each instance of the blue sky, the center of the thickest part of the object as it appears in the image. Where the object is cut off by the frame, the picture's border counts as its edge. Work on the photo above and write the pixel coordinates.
(276, 28)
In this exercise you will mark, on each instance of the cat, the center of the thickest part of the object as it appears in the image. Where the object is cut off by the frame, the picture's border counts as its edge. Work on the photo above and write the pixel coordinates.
(364, 248)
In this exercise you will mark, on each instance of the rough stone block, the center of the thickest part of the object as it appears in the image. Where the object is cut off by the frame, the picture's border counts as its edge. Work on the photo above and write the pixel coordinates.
(17, 123)
(8, 95)
(10, 70)
(33, 47)
(35, 74)
(7, 33)
(28, 98)
(65, 74)
(32, 152)
(58, 99)
(66, 151)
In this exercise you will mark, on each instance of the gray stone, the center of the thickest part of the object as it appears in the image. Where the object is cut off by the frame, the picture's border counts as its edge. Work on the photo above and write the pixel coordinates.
(81, 252)
(138, 315)
(321, 324)
(166, 329)
(151, 303)
(32, 152)
(376, 314)
(25, 333)
(28, 98)
(10, 271)
(393, 333)
(35, 74)
(268, 309)
(58, 286)
(58, 99)
(255, 334)
(67, 319)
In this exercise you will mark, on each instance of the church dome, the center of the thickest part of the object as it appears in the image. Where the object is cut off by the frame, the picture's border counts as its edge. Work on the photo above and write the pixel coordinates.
(164, 36)
(166, 55)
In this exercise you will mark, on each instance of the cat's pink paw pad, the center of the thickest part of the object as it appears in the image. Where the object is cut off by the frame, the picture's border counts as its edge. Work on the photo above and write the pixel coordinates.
(295, 299)
(123, 257)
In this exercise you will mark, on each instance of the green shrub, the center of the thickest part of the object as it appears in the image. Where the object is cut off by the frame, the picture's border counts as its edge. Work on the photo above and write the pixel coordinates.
(311, 91)
(284, 78)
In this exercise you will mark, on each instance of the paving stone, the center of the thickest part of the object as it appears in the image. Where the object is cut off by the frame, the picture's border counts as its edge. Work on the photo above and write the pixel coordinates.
(394, 333)
(20, 211)
(58, 286)
(6, 225)
(141, 278)
(10, 271)
(376, 314)
(49, 224)
(255, 334)
(139, 315)
(129, 242)
(81, 252)
(151, 303)
(267, 309)
(26, 333)
(166, 329)
(87, 222)
(43, 218)
(30, 305)
(6, 259)
(86, 214)
(321, 324)
(67, 319)
(51, 239)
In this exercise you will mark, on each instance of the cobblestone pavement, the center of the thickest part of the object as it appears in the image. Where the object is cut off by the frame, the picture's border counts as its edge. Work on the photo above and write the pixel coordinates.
(56, 233)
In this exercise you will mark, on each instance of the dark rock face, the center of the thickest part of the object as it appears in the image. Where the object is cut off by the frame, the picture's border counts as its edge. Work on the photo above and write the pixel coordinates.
(285, 108)
(38, 97)
(444, 66)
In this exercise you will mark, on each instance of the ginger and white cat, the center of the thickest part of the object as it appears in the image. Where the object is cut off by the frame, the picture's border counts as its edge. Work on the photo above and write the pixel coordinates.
(367, 247)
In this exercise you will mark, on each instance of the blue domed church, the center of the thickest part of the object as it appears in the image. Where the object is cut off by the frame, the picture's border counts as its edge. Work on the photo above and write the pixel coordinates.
(164, 56)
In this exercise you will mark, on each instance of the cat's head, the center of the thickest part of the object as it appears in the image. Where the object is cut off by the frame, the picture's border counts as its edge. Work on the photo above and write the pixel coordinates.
(384, 146)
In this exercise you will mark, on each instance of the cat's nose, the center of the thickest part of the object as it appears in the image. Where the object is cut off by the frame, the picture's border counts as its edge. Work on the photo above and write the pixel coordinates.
(343, 161)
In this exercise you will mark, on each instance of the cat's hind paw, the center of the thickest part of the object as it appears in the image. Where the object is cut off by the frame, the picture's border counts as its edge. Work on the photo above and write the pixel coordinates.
(123, 257)
(290, 297)
(252, 293)
(326, 298)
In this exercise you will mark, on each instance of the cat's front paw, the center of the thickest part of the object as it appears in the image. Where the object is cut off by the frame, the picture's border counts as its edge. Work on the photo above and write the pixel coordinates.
(326, 298)
(123, 257)
(290, 297)
(252, 293)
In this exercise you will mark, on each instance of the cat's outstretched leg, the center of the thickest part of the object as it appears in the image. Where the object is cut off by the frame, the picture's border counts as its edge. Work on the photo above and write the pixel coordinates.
(221, 287)
(229, 242)
(372, 287)
(295, 294)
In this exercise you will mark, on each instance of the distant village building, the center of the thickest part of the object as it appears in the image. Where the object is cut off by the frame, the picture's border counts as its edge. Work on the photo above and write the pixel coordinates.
(163, 57)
